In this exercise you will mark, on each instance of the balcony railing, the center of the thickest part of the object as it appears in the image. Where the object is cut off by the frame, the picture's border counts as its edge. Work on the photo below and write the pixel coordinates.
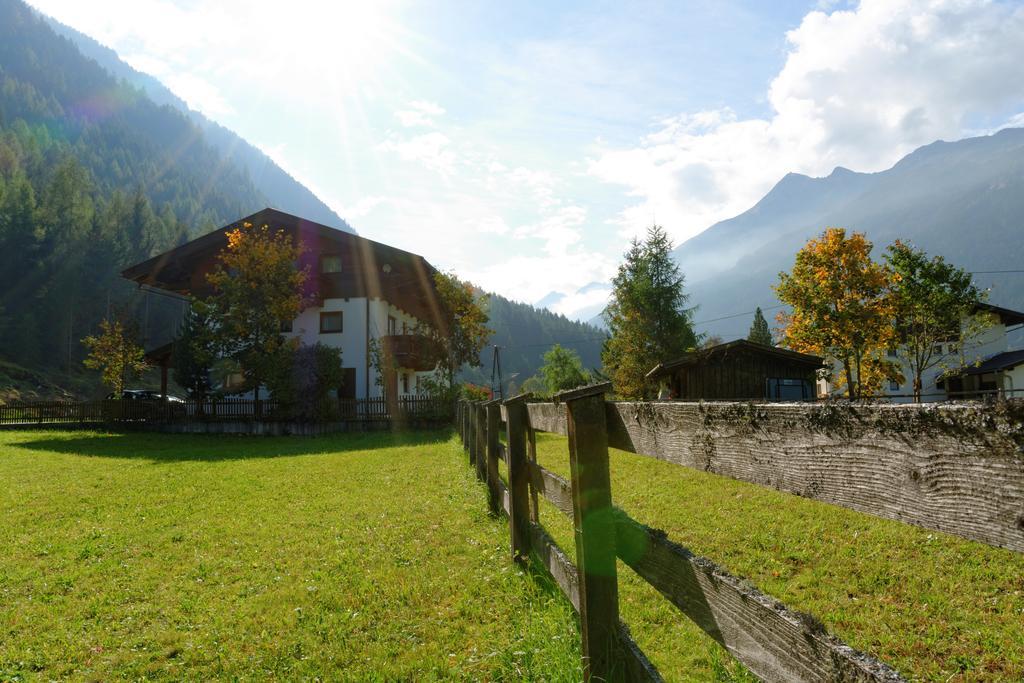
(410, 351)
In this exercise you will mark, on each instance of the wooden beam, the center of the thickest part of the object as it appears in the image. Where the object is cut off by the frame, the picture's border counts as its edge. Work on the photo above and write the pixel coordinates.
(554, 488)
(518, 477)
(774, 642)
(594, 526)
(493, 480)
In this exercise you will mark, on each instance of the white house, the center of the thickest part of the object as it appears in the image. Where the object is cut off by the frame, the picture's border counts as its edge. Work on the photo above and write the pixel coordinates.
(986, 364)
(365, 293)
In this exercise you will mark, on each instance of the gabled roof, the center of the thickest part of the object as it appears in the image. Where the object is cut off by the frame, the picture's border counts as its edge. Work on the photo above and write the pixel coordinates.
(1006, 315)
(371, 269)
(737, 346)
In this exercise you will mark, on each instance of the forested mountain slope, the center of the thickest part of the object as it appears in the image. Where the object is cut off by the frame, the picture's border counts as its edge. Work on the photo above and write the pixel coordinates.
(963, 200)
(281, 190)
(524, 333)
(93, 176)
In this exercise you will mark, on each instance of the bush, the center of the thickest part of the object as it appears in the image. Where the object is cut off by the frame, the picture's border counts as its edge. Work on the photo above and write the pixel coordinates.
(301, 380)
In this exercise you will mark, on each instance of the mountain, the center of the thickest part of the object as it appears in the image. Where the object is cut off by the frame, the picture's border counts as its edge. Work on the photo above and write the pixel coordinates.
(104, 168)
(524, 333)
(586, 304)
(281, 190)
(963, 200)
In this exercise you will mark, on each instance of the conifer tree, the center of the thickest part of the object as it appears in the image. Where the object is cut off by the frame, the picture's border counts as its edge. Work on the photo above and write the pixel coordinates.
(759, 332)
(647, 315)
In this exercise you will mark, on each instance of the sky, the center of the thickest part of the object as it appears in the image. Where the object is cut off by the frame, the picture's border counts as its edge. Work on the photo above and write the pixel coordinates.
(523, 145)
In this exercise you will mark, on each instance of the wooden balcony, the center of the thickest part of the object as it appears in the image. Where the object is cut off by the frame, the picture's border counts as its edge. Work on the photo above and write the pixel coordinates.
(410, 351)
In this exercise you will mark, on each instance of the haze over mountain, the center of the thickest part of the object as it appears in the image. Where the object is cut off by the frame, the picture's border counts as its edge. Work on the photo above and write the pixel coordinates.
(281, 190)
(963, 200)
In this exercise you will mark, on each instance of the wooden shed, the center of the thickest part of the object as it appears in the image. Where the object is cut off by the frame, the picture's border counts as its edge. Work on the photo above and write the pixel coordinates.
(740, 370)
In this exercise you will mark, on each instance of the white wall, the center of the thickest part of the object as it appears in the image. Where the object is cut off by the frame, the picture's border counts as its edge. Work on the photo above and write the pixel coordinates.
(990, 342)
(351, 340)
(1014, 379)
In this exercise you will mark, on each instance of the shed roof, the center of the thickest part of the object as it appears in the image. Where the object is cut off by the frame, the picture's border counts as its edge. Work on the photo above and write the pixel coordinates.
(1006, 360)
(736, 346)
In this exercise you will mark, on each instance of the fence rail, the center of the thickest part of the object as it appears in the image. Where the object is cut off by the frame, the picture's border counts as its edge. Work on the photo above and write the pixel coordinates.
(163, 412)
(951, 468)
(955, 468)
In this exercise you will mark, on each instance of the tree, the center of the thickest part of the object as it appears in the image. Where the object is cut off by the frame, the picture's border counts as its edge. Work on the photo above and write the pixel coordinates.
(460, 331)
(932, 301)
(841, 309)
(759, 332)
(647, 315)
(302, 377)
(257, 285)
(115, 354)
(195, 351)
(562, 370)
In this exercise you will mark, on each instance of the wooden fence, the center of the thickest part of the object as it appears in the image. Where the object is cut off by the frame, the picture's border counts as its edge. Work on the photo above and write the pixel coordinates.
(161, 412)
(958, 469)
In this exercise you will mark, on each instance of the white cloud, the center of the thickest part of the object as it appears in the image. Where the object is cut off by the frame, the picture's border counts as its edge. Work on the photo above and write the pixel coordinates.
(558, 230)
(430, 149)
(860, 88)
(362, 207)
(419, 113)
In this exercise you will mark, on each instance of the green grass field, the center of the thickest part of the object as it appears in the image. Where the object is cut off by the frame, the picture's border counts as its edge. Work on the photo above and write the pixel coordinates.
(936, 607)
(355, 557)
(371, 557)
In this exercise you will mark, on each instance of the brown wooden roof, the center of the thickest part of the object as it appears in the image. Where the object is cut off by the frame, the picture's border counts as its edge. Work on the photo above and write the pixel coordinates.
(739, 345)
(1006, 315)
(369, 269)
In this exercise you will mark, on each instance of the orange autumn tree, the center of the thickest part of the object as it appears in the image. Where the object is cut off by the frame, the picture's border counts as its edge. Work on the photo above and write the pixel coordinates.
(841, 309)
(257, 285)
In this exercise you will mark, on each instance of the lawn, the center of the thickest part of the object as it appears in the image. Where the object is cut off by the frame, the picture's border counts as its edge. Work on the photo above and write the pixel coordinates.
(936, 607)
(354, 557)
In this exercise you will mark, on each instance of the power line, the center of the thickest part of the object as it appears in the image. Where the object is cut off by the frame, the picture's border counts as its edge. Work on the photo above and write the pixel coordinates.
(604, 337)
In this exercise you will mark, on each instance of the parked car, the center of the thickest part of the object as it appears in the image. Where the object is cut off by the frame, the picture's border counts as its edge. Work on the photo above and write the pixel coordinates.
(144, 395)
(144, 404)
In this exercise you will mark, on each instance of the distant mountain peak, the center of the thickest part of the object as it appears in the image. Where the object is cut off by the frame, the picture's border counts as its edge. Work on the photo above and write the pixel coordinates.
(961, 200)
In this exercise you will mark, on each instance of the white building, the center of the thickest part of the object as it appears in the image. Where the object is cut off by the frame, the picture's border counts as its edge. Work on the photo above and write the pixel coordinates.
(365, 293)
(985, 364)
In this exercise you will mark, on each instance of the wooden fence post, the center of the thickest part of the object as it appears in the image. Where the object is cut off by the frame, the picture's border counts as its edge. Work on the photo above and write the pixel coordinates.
(471, 425)
(481, 442)
(518, 477)
(460, 422)
(493, 409)
(594, 522)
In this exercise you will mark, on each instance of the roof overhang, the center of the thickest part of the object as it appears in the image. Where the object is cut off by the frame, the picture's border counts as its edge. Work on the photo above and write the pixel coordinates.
(739, 345)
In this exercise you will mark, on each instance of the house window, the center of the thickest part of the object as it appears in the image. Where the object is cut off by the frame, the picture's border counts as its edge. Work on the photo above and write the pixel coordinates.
(330, 322)
(286, 326)
(405, 327)
(894, 386)
(937, 349)
(892, 353)
(330, 263)
(405, 382)
(392, 325)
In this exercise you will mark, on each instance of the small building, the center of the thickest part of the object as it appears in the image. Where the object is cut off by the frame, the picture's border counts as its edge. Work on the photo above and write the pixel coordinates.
(364, 294)
(740, 370)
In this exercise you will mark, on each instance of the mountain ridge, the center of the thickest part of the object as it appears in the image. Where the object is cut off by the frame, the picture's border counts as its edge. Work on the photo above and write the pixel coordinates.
(958, 199)
(281, 189)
